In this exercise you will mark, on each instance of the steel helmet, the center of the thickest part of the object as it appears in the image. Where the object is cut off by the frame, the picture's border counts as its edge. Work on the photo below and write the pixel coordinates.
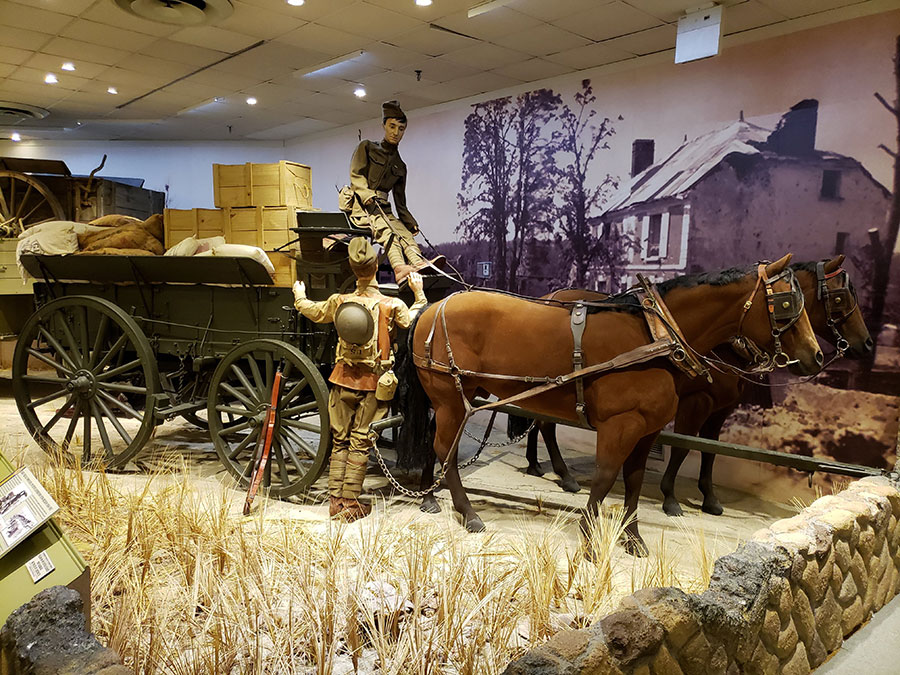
(354, 323)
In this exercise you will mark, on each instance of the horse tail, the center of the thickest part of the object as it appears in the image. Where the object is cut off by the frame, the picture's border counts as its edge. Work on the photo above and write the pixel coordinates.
(415, 442)
(516, 426)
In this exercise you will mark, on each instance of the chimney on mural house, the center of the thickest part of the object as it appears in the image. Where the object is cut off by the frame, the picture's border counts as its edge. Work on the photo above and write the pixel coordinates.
(642, 150)
(796, 130)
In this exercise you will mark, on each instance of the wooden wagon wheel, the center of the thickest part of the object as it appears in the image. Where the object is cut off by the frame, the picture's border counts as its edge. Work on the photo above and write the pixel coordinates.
(241, 386)
(26, 201)
(99, 378)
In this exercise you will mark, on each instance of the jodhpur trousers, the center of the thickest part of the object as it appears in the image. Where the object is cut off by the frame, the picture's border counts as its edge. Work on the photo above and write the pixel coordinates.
(351, 414)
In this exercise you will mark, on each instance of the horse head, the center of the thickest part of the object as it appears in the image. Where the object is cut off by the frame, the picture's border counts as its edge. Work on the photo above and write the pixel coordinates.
(833, 308)
(775, 319)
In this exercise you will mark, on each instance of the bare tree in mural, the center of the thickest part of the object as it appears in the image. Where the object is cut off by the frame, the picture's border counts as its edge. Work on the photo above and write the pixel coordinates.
(535, 173)
(883, 251)
(582, 138)
(486, 178)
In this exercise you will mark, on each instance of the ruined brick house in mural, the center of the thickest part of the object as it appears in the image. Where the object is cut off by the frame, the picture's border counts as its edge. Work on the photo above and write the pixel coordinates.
(744, 193)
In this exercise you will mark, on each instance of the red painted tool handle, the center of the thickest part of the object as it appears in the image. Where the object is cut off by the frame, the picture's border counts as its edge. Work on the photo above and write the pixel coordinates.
(266, 439)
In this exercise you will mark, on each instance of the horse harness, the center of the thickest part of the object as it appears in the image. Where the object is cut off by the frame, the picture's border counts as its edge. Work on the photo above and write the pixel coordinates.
(839, 303)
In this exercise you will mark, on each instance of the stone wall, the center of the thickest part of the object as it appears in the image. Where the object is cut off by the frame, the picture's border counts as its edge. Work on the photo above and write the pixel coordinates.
(47, 636)
(780, 604)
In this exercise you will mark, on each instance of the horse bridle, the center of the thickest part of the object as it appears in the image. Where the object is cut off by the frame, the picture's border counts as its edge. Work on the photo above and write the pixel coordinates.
(839, 303)
(783, 308)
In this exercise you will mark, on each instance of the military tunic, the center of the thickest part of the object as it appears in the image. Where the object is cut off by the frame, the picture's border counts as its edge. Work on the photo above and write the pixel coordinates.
(377, 169)
(352, 404)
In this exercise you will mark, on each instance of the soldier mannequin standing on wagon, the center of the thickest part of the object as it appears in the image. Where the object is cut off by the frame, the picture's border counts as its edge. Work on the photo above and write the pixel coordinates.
(363, 383)
(375, 170)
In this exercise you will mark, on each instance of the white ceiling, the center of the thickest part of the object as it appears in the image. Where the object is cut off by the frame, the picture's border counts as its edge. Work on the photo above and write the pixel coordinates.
(174, 70)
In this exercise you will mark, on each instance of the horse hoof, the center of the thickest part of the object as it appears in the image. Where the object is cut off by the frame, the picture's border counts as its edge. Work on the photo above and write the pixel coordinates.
(430, 505)
(672, 508)
(474, 524)
(635, 546)
(712, 507)
(535, 470)
(569, 484)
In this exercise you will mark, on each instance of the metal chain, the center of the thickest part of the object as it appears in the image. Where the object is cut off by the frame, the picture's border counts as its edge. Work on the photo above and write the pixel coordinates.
(502, 444)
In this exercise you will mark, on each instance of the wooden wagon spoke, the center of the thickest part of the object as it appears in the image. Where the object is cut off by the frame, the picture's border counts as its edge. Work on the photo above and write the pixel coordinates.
(117, 345)
(104, 436)
(67, 334)
(54, 343)
(28, 215)
(282, 467)
(251, 437)
(58, 416)
(239, 396)
(294, 391)
(293, 435)
(245, 382)
(83, 337)
(99, 340)
(257, 377)
(70, 430)
(300, 409)
(295, 459)
(24, 200)
(306, 426)
(117, 425)
(50, 362)
(243, 412)
(86, 439)
(131, 365)
(124, 388)
(46, 399)
(121, 405)
(45, 379)
(235, 429)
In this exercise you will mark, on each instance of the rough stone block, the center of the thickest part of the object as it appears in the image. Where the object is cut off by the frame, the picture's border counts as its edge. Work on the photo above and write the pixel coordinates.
(866, 544)
(814, 582)
(842, 554)
(674, 614)
(828, 622)
(802, 614)
(837, 579)
(852, 617)
(762, 662)
(798, 566)
(796, 523)
(841, 520)
(665, 663)
(884, 587)
(848, 593)
(694, 656)
(597, 659)
(630, 635)
(643, 669)
(771, 629)
(718, 662)
(859, 572)
(785, 603)
(539, 661)
(787, 640)
(854, 535)
(797, 664)
(569, 644)
(815, 651)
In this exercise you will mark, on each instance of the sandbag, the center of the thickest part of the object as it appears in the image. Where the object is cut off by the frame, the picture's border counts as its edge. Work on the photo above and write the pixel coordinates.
(116, 251)
(242, 251)
(154, 225)
(185, 247)
(133, 235)
(113, 220)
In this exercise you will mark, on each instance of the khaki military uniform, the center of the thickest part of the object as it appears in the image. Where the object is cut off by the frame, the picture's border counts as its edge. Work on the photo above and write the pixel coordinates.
(377, 169)
(353, 404)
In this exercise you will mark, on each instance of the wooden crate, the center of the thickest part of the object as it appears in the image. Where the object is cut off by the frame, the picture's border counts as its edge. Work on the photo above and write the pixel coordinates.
(282, 184)
(266, 227)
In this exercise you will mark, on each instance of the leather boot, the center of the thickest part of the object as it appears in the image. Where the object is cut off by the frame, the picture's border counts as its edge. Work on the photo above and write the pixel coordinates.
(354, 510)
(402, 271)
(335, 506)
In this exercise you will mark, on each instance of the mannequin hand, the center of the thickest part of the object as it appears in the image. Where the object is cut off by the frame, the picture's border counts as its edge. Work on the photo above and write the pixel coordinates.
(299, 291)
(415, 282)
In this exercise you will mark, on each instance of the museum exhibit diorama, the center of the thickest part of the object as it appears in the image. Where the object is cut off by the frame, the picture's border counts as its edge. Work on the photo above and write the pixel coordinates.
(449, 336)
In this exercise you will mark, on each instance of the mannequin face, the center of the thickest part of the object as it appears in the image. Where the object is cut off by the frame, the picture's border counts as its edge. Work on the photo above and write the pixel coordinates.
(394, 130)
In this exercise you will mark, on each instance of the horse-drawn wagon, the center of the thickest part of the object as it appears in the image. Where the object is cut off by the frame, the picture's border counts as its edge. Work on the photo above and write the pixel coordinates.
(119, 344)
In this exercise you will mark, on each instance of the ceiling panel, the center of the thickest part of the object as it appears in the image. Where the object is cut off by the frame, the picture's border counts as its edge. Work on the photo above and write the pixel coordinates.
(49, 63)
(542, 40)
(533, 69)
(325, 40)
(182, 52)
(490, 25)
(215, 38)
(14, 55)
(482, 82)
(550, 10)
(21, 38)
(795, 8)
(589, 56)
(69, 49)
(389, 57)
(608, 21)
(6, 69)
(438, 9)
(142, 63)
(219, 78)
(671, 10)
(70, 7)
(35, 75)
(747, 16)
(438, 69)
(430, 41)
(108, 36)
(310, 11)
(108, 13)
(274, 59)
(646, 41)
(484, 55)
(370, 21)
(32, 18)
(260, 22)
(307, 125)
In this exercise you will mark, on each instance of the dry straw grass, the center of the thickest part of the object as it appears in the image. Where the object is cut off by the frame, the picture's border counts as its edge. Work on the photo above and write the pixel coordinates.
(182, 584)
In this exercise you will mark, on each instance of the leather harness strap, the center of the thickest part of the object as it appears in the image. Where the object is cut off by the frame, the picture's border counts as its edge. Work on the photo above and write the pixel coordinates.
(578, 322)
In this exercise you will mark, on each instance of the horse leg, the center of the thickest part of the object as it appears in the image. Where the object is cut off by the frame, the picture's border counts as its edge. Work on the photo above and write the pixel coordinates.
(615, 437)
(711, 429)
(566, 482)
(633, 473)
(429, 502)
(693, 410)
(534, 467)
(449, 418)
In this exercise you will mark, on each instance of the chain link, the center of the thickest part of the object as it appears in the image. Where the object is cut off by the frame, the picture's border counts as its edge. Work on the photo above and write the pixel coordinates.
(502, 444)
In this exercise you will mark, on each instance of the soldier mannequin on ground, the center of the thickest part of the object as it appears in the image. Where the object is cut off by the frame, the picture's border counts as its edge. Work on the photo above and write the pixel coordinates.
(363, 383)
(375, 170)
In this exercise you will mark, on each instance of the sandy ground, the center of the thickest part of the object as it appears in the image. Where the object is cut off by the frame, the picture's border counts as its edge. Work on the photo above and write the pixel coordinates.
(506, 498)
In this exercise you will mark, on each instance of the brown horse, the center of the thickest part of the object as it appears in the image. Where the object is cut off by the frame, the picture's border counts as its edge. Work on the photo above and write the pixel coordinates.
(487, 334)
(703, 407)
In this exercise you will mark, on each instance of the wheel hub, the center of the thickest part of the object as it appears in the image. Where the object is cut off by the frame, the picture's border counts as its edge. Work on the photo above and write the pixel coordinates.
(81, 383)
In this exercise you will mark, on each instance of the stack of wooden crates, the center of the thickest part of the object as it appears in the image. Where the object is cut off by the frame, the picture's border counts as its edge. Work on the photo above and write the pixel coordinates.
(256, 204)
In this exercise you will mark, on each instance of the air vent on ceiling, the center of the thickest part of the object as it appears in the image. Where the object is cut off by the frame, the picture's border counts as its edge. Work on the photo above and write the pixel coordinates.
(179, 12)
(13, 113)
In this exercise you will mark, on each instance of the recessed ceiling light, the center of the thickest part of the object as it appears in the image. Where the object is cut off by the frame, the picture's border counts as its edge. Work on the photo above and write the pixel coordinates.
(295, 3)
(423, 3)
(50, 78)
(251, 101)
(359, 92)
(68, 65)
(112, 90)
(14, 136)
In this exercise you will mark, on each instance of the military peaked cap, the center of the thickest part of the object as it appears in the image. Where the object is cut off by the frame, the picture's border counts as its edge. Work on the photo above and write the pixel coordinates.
(392, 109)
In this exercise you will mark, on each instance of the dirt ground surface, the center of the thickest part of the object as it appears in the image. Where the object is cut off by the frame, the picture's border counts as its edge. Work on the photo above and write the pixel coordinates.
(507, 499)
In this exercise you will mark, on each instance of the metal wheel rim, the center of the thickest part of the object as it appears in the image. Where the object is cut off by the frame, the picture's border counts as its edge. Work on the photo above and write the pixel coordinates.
(98, 358)
(302, 435)
(27, 204)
